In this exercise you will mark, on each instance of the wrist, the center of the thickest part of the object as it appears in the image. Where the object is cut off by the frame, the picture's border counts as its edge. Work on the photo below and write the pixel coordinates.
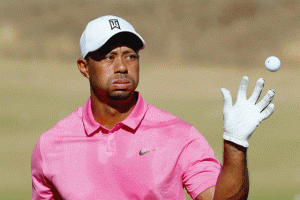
(228, 137)
(234, 147)
(234, 154)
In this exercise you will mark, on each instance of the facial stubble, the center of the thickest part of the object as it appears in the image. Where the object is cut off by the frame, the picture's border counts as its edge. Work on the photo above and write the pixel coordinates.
(120, 94)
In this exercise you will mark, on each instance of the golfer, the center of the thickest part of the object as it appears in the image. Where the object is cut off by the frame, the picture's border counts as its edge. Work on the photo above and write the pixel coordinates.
(116, 146)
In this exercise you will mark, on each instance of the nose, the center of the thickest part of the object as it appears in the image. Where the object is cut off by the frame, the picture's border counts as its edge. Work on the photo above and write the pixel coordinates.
(120, 66)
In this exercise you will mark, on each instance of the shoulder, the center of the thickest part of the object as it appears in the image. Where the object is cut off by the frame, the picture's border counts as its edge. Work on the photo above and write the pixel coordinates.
(65, 126)
(171, 124)
(157, 115)
(50, 142)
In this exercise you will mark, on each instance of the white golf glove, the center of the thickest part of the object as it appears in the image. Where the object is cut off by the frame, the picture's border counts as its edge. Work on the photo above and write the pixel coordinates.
(241, 120)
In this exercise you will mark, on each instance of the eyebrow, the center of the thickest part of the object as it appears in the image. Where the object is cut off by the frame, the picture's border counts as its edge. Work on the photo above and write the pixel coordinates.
(127, 51)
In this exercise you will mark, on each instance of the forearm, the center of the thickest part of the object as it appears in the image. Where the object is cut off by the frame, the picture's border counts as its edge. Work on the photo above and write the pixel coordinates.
(240, 121)
(233, 181)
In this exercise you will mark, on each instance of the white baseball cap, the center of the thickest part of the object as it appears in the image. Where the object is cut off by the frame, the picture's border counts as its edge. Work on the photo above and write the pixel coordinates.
(100, 30)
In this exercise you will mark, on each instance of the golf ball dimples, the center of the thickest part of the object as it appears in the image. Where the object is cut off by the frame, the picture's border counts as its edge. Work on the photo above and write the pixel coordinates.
(272, 63)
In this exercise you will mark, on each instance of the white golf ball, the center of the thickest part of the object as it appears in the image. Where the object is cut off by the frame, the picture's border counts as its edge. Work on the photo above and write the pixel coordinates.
(272, 63)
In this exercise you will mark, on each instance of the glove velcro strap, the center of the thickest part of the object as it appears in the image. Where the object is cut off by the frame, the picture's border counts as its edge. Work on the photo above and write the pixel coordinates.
(236, 141)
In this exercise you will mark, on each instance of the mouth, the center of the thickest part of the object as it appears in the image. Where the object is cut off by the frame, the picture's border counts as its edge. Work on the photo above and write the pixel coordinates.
(121, 83)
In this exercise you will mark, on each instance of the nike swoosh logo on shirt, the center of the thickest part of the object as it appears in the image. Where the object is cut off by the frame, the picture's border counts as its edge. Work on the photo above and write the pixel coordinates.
(143, 153)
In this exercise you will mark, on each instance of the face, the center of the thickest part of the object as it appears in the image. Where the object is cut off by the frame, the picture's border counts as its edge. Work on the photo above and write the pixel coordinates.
(113, 72)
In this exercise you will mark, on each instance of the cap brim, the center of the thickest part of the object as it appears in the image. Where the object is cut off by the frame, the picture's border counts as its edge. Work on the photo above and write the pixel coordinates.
(101, 43)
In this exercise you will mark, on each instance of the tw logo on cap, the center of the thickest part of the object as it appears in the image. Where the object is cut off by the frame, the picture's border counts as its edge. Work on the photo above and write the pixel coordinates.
(114, 23)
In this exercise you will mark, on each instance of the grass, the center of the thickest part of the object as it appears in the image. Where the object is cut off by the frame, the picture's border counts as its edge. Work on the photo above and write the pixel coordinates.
(29, 108)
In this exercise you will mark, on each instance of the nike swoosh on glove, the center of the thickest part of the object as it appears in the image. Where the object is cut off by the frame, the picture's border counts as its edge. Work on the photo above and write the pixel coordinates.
(241, 120)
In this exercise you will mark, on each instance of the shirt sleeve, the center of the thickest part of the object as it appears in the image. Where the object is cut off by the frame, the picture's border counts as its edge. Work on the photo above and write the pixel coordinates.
(200, 166)
(40, 187)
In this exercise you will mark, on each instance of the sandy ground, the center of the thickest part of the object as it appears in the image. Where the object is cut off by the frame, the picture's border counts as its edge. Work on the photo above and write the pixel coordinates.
(35, 95)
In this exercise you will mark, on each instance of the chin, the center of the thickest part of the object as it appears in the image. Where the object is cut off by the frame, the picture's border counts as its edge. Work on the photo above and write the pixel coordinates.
(119, 95)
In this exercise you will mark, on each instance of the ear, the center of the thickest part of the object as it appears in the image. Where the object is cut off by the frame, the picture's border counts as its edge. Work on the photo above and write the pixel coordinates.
(82, 65)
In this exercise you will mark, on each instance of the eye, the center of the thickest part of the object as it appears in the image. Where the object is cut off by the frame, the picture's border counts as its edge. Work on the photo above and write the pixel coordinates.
(132, 57)
(109, 57)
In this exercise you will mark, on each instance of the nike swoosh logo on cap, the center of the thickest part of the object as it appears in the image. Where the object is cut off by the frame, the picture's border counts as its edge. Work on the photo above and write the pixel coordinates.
(143, 153)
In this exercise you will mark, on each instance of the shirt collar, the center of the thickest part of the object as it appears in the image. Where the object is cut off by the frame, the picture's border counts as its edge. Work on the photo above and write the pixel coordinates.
(132, 121)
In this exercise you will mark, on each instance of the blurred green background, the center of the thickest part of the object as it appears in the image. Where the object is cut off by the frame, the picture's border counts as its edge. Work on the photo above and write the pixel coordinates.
(194, 48)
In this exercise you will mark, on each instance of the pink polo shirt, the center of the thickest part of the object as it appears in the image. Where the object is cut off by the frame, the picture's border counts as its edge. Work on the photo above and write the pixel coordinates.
(152, 154)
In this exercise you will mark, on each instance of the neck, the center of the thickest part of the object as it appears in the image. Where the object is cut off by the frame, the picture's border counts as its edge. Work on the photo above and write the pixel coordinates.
(110, 112)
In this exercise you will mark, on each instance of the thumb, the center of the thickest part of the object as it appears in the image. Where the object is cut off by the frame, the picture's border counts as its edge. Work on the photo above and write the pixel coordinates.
(227, 98)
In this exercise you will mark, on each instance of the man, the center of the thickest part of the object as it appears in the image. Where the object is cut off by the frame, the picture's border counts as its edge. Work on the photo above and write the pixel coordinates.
(116, 146)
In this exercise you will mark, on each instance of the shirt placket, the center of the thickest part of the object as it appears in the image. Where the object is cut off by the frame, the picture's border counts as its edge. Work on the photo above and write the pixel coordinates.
(111, 141)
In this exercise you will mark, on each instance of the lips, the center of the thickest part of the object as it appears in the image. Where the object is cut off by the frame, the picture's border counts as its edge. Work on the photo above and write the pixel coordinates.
(122, 83)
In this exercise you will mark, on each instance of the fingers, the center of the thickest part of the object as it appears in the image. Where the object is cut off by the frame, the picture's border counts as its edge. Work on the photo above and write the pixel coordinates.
(267, 112)
(266, 100)
(257, 90)
(227, 98)
(243, 88)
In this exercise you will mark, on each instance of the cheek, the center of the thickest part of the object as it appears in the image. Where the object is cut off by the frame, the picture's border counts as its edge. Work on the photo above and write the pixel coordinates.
(136, 75)
(100, 76)
(135, 70)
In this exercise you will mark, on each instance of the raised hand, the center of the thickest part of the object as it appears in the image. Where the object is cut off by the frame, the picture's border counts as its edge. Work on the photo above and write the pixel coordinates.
(241, 120)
